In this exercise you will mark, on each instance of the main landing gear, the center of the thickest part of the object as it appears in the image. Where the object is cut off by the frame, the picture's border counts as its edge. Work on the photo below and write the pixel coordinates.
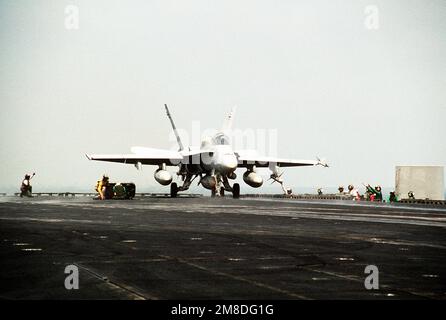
(236, 191)
(173, 190)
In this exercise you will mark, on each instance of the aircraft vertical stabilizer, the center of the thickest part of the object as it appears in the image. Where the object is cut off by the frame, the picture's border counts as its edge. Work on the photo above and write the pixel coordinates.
(180, 144)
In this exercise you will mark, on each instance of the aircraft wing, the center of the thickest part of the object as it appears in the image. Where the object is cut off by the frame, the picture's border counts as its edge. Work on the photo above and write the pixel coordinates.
(148, 156)
(245, 160)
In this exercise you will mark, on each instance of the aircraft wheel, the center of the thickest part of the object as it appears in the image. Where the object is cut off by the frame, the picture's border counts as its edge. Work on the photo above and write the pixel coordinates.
(222, 192)
(173, 190)
(236, 191)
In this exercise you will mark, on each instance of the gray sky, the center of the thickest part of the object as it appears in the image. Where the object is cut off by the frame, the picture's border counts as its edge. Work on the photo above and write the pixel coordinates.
(366, 100)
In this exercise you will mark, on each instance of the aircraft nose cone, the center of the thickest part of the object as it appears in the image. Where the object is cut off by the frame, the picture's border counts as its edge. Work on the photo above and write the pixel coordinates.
(229, 162)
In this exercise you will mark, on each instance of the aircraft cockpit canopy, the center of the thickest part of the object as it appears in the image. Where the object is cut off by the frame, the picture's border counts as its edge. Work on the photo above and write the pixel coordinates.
(221, 139)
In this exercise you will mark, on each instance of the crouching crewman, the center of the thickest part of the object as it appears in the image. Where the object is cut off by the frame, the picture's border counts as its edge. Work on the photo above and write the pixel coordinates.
(26, 189)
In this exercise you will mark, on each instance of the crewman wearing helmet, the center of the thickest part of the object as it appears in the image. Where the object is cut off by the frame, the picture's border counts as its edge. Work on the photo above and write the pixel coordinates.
(354, 192)
(101, 186)
(375, 194)
(26, 189)
(378, 193)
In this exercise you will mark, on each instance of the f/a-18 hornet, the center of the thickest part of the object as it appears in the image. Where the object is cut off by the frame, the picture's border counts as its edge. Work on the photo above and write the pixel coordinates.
(214, 163)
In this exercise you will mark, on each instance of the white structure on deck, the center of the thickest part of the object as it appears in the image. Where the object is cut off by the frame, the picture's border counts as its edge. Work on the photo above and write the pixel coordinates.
(426, 182)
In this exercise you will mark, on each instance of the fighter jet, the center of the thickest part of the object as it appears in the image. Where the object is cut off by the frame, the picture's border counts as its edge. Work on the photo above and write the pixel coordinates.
(214, 163)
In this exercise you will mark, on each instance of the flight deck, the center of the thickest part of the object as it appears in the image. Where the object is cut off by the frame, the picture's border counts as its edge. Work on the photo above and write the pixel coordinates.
(220, 248)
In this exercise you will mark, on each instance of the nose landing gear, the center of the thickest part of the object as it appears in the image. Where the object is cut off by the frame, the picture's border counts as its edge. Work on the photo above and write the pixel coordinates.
(235, 191)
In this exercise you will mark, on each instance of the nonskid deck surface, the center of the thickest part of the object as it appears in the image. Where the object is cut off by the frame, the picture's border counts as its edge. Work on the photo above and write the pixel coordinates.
(213, 248)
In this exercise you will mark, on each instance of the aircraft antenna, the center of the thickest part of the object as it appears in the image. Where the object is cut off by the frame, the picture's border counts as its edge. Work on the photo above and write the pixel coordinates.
(227, 125)
(174, 129)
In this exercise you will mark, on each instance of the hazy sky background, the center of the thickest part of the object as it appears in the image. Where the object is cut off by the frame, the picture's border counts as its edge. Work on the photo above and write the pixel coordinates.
(366, 100)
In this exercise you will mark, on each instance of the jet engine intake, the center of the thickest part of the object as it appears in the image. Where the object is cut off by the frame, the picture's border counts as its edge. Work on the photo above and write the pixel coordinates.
(252, 179)
(163, 177)
(232, 175)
